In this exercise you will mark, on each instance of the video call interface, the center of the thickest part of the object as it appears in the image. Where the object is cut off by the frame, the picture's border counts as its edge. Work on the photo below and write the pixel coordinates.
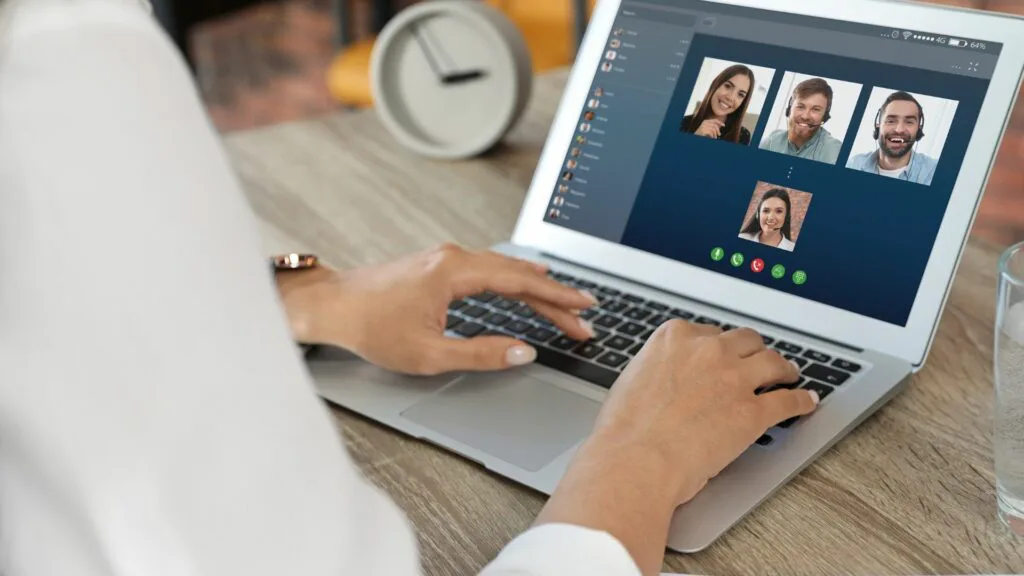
(821, 175)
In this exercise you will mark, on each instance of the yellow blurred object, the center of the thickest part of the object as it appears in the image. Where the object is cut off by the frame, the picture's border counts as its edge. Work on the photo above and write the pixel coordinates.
(546, 25)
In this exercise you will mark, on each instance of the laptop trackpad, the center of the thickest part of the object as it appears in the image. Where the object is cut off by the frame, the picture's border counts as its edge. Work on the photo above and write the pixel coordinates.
(514, 417)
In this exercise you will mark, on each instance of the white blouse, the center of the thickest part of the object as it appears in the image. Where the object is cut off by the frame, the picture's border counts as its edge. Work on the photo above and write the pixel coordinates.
(146, 427)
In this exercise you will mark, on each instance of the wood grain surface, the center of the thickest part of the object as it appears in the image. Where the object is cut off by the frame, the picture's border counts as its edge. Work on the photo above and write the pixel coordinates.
(911, 491)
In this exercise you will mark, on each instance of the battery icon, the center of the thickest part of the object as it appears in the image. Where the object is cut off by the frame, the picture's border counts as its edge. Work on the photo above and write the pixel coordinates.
(957, 42)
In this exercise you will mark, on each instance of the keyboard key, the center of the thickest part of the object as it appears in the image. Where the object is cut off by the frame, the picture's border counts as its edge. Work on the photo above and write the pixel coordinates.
(484, 297)
(789, 385)
(818, 387)
(826, 374)
(632, 298)
(452, 322)
(600, 375)
(469, 329)
(613, 359)
(599, 335)
(801, 362)
(646, 335)
(588, 350)
(817, 356)
(456, 304)
(787, 347)
(608, 291)
(608, 321)
(764, 440)
(637, 313)
(602, 297)
(657, 306)
(587, 284)
(540, 335)
(491, 332)
(632, 329)
(727, 327)
(618, 342)
(475, 311)
(636, 349)
(767, 340)
(503, 304)
(525, 311)
(543, 322)
(589, 313)
(657, 320)
(614, 306)
(564, 343)
(680, 313)
(846, 365)
(496, 319)
(788, 423)
(706, 320)
(519, 327)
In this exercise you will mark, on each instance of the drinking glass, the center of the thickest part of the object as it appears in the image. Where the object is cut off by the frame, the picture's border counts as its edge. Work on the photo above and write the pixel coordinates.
(1009, 384)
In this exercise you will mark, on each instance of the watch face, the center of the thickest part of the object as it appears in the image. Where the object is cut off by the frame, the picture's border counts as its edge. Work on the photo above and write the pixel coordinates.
(448, 80)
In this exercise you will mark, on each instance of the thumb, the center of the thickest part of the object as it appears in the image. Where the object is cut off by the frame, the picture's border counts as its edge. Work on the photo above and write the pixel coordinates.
(482, 353)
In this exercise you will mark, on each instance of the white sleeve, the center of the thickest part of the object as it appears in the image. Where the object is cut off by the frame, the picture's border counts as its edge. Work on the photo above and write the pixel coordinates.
(563, 550)
(155, 417)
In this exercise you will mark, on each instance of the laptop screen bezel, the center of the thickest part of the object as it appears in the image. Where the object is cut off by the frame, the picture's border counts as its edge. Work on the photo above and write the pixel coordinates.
(911, 342)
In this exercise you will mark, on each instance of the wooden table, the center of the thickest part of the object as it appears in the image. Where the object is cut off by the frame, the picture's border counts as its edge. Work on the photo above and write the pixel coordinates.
(909, 492)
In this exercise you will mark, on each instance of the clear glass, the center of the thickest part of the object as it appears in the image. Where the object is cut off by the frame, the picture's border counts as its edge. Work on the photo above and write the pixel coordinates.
(1009, 375)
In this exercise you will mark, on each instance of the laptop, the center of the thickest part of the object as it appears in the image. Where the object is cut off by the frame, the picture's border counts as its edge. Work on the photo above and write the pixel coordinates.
(807, 169)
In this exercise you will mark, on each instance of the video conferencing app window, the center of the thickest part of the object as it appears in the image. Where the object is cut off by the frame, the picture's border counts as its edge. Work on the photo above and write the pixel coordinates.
(807, 155)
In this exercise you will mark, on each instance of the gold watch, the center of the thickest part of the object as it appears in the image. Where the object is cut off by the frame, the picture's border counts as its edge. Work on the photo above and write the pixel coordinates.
(289, 262)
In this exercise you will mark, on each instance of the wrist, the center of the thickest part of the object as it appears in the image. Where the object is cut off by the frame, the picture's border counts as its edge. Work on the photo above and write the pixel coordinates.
(316, 306)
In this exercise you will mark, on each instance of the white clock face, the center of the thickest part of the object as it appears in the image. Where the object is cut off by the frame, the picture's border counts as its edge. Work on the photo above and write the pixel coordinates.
(449, 80)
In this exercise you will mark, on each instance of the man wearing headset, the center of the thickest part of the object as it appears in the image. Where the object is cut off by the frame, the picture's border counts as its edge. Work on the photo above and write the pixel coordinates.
(899, 124)
(808, 110)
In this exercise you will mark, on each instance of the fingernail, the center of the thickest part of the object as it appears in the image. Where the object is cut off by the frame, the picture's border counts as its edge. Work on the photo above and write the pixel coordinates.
(587, 327)
(814, 397)
(589, 296)
(795, 366)
(520, 355)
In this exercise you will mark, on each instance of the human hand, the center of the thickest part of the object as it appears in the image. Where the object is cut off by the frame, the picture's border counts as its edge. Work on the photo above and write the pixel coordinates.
(711, 128)
(683, 409)
(394, 314)
(695, 382)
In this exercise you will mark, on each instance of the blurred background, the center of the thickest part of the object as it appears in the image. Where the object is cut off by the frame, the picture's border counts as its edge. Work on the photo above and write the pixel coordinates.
(261, 62)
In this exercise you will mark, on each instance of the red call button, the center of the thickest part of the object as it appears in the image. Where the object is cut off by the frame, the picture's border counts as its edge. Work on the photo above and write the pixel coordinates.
(757, 266)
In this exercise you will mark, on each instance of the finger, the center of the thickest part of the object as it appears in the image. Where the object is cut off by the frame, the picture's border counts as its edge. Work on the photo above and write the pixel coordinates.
(519, 281)
(482, 353)
(767, 368)
(743, 342)
(781, 405)
(574, 327)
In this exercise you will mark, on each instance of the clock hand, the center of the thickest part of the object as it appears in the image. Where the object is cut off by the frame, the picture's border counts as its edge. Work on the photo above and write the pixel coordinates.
(428, 53)
(463, 77)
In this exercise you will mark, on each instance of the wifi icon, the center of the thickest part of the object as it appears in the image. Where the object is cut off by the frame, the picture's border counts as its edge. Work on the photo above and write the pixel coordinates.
(907, 35)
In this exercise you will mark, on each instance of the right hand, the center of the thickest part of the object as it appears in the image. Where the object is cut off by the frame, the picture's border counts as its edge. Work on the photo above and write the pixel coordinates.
(711, 128)
(688, 397)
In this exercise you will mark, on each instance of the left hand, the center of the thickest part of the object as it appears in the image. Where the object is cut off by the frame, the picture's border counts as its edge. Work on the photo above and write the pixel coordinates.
(394, 314)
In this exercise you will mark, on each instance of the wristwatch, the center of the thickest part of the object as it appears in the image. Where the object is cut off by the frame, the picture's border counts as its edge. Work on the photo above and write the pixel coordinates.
(289, 263)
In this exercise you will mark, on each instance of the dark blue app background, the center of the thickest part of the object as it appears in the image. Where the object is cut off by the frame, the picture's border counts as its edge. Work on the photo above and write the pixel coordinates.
(866, 238)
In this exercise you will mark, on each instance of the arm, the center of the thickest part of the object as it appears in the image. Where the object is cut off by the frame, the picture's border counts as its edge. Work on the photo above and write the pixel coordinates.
(144, 430)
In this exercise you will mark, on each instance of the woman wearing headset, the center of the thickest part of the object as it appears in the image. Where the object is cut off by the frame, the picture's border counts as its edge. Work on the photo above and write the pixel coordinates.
(770, 224)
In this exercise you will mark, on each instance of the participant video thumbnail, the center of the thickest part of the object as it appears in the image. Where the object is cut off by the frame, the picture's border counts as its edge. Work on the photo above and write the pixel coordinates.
(811, 117)
(727, 100)
(902, 135)
(775, 216)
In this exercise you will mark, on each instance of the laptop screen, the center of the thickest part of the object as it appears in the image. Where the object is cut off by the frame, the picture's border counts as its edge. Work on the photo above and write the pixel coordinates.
(807, 155)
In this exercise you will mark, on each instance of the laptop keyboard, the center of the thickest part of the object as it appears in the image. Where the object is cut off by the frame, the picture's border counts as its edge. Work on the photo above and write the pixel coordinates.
(623, 322)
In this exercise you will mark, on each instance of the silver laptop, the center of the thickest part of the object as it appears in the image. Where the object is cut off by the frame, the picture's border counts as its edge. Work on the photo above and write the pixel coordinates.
(808, 169)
